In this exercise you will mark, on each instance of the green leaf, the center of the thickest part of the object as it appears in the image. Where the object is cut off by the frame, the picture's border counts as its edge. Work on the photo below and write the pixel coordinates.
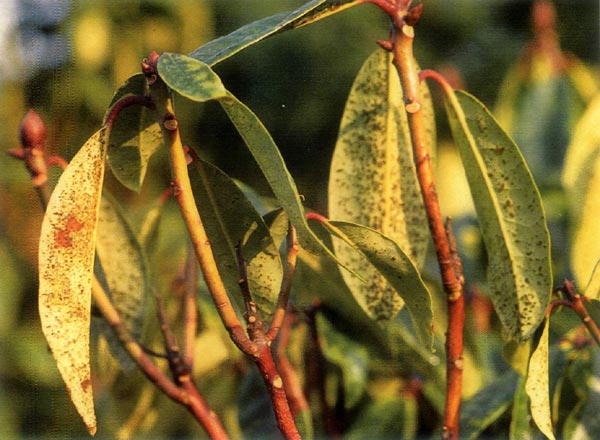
(222, 48)
(135, 137)
(190, 78)
(123, 267)
(230, 219)
(537, 384)
(373, 180)
(66, 264)
(581, 180)
(510, 215)
(394, 278)
(187, 77)
(351, 358)
(488, 405)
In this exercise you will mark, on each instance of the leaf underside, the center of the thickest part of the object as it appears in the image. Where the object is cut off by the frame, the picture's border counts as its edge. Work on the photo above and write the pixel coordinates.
(389, 262)
(373, 180)
(66, 262)
(510, 214)
(537, 386)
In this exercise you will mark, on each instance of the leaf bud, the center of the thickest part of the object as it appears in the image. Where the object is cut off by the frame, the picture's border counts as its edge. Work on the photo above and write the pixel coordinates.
(32, 131)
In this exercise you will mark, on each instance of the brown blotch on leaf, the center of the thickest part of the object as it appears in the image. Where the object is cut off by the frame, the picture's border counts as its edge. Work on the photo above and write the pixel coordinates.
(63, 236)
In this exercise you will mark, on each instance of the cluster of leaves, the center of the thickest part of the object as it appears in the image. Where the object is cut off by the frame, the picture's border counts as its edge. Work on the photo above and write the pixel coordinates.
(378, 238)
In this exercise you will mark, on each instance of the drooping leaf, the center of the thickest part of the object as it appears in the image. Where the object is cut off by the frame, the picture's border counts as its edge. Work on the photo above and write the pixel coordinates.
(317, 276)
(196, 81)
(66, 263)
(372, 248)
(134, 138)
(222, 48)
(510, 215)
(230, 219)
(488, 405)
(373, 180)
(581, 180)
(351, 358)
(537, 383)
(123, 268)
(270, 161)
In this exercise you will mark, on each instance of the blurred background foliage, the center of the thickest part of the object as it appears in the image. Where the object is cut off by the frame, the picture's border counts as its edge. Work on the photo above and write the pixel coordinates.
(67, 58)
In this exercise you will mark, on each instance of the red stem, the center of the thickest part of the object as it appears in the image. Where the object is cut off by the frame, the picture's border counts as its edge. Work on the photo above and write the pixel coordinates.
(286, 283)
(125, 102)
(402, 44)
(274, 383)
(291, 381)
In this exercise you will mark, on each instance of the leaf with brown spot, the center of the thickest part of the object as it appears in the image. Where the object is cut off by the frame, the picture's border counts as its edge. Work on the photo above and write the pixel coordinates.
(66, 263)
(373, 180)
(510, 214)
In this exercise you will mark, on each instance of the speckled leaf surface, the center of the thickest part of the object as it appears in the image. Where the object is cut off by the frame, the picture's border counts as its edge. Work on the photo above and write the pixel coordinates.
(385, 259)
(230, 219)
(190, 78)
(373, 180)
(66, 263)
(135, 137)
(537, 385)
(510, 215)
(224, 47)
(123, 267)
(581, 180)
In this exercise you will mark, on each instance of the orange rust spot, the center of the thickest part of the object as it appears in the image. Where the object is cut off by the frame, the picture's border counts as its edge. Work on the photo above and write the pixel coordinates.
(63, 236)
(85, 384)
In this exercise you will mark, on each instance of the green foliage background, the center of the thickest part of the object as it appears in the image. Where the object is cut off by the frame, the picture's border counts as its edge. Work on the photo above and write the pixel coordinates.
(297, 83)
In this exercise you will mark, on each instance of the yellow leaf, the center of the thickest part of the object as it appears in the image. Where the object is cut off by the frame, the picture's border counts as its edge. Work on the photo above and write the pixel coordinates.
(66, 262)
(581, 180)
(537, 386)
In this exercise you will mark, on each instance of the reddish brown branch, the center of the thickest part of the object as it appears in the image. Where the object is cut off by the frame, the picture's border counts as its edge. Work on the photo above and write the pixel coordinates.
(184, 393)
(291, 381)
(577, 305)
(263, 358)
(286, 283)
(125, 102)
(401, 44)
